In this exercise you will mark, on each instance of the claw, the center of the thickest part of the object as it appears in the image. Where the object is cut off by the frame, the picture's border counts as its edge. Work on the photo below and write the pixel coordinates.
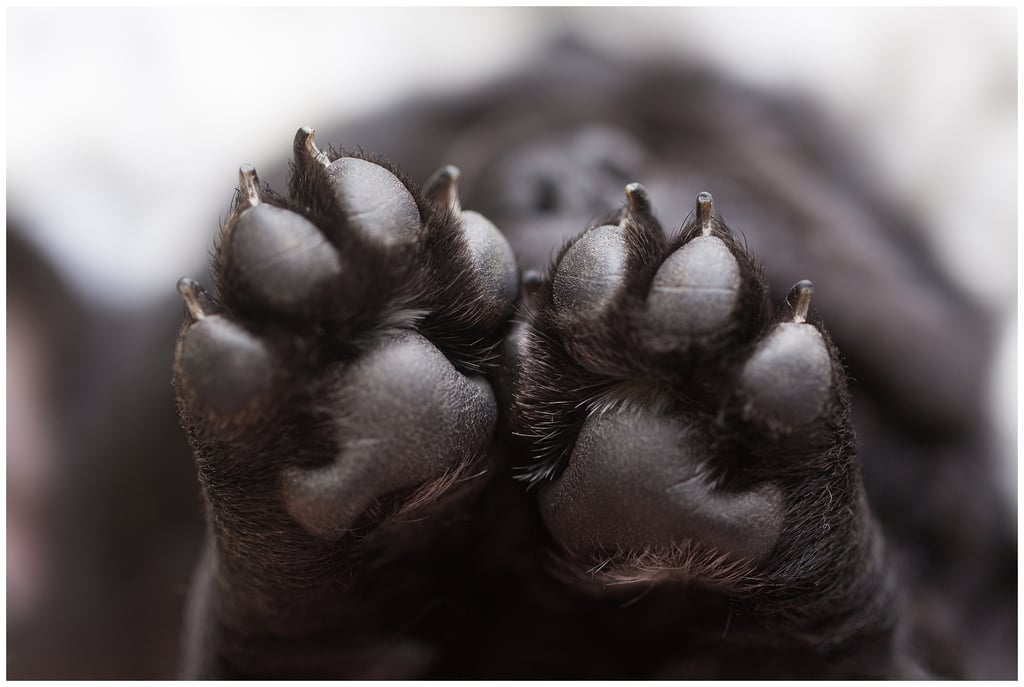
(442, 188)
(249, 184)
(637, 200)
(305, 149)
(799, 299)
(196, 299)
(705, 212)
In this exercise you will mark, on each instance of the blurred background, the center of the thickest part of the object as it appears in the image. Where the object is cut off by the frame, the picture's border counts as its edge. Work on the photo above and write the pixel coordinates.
(125, 131)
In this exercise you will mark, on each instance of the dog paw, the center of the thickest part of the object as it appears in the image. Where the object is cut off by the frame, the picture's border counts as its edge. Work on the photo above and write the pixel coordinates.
(336, 381)
(680, 428)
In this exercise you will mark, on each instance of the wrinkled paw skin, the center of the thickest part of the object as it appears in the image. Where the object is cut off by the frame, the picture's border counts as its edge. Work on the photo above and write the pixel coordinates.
(334, 387)
(682, 430)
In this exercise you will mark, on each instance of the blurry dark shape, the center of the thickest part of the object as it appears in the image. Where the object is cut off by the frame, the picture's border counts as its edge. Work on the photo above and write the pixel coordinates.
(123, 520)
(41, 320)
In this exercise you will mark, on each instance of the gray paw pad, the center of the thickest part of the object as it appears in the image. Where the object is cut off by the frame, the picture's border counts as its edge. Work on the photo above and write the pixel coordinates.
(696, 289)
(376, 204)
(496, 272)
(634, 481)
(223, 368)
(406, 416)
(787, 380)
(281, 258)
(591, 273)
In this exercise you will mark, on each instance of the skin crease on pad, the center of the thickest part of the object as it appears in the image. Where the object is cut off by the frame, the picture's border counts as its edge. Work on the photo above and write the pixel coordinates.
(282, 256)
(695, 290)
(591, 271)
(412, 417)
(375, 202)
(634, 481)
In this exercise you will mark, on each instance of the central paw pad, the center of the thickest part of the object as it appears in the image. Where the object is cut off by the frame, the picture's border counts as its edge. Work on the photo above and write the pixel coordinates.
(635, 478)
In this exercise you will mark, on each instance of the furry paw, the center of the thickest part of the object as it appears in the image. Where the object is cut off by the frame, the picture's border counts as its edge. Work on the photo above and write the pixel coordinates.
(335, 386)
(680, 429)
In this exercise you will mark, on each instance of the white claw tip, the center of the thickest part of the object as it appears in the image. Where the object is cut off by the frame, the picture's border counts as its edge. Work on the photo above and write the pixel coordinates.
(305, 145)
(800, 299)
(249, 184)
(705, 212)
(637, 199)
(443, 188)
(193, 295)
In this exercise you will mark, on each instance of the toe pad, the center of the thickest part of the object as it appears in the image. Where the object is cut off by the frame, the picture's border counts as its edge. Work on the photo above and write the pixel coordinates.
(223, 367)
(281, 258)
(694, 293)
(787, 380)
(375, 202)
(591, 272)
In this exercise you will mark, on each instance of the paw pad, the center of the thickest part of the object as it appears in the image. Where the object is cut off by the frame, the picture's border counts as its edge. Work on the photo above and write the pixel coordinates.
(281, 258)
(591, 272)
(226, 370)
(695, 291)
(630, 416)
(342, 358)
